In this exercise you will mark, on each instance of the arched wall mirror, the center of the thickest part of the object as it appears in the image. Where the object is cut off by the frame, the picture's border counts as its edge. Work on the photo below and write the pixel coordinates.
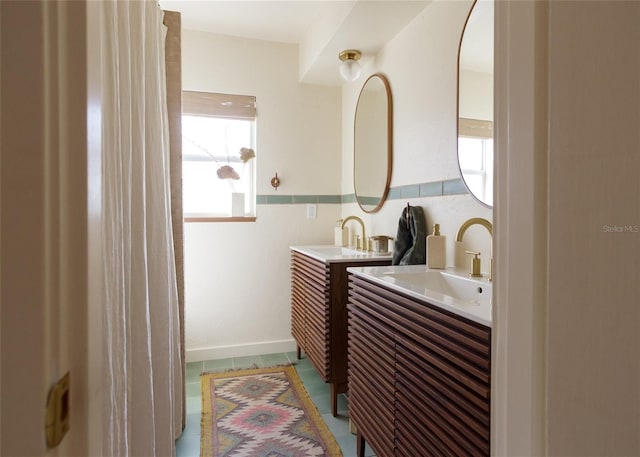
(475, 102)
(373, 137)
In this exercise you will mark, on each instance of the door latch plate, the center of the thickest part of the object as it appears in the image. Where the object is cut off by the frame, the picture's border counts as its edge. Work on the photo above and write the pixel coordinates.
(57, 414)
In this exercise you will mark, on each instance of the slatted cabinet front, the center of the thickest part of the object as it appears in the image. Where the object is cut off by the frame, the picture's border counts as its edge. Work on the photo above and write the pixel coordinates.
(371, 372)
(319, 295)
(435, 377)
(310, 305)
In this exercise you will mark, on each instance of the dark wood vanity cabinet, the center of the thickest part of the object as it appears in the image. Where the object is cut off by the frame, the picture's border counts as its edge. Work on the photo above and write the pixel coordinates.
(319, 295)
(419, 376)
(371, 375)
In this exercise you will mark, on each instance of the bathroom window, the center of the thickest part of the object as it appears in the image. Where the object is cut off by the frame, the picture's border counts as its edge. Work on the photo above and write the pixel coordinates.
(476, 163)
(218, 157)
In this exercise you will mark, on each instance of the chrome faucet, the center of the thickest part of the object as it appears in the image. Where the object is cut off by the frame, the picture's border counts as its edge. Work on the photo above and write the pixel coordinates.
(486, 224)
(364, 236)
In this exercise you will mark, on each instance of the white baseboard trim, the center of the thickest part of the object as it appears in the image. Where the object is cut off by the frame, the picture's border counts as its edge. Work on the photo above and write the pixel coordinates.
(240, 350)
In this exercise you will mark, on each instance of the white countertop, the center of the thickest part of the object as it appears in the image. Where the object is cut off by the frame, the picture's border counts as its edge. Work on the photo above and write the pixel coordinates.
(329, 254)
(407, 280)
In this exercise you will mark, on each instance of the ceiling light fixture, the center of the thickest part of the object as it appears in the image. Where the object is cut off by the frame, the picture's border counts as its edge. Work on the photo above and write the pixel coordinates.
(350, 68)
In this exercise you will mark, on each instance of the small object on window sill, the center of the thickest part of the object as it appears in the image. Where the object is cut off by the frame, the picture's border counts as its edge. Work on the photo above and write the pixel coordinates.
(275, 181)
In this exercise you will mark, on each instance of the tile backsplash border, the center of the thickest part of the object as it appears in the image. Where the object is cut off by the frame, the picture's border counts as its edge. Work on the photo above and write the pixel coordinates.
(430, 189)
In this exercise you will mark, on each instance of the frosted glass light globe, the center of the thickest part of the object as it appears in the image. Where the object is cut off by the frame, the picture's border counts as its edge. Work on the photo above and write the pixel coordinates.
(350, 69)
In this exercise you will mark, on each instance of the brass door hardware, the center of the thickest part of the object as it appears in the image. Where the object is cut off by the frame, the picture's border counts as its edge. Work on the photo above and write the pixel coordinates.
(57, 413)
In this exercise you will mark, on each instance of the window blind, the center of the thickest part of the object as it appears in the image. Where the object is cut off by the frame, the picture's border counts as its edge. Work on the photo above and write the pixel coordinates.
(475, 128)
(229, 106)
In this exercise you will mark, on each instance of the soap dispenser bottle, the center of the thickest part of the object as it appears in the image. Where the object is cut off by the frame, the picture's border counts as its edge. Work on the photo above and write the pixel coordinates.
(436, 249)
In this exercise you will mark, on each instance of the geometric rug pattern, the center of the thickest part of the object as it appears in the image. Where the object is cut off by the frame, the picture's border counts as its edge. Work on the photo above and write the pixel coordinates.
(264, 412)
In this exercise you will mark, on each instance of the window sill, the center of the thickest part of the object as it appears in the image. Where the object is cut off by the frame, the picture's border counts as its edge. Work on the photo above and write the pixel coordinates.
(220, 219)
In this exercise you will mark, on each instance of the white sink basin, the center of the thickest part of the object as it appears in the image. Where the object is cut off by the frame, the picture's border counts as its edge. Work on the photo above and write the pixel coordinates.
(466, 289)
(335, 250)
(329, 253)
(451, 289)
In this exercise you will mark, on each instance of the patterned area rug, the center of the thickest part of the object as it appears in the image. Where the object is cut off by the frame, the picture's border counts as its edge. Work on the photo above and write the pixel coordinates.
(261, 413)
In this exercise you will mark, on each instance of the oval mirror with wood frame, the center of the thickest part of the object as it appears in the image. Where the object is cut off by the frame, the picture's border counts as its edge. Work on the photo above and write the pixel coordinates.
(373, 138)
(475, 102)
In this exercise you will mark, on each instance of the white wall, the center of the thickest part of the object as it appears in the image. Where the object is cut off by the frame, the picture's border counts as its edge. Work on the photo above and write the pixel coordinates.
(421, 65)
(237, 274)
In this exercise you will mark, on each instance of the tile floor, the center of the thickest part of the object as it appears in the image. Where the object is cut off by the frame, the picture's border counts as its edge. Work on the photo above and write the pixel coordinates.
(188, 445)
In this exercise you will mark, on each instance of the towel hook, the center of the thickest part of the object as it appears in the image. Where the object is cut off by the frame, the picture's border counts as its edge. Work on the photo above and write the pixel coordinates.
(275, 181)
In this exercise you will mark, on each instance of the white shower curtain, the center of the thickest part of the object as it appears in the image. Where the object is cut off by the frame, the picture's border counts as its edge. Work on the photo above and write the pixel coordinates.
(142, 382)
